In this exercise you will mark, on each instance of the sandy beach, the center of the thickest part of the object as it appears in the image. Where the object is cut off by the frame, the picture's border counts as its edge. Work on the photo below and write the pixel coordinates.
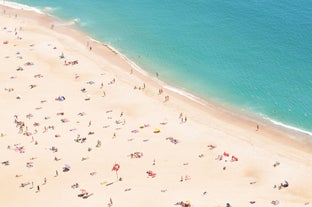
(81, 126)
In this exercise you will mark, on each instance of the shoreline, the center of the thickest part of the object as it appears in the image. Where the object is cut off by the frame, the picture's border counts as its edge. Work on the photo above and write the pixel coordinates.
(125, 119)
(298, 137)
(304, 136)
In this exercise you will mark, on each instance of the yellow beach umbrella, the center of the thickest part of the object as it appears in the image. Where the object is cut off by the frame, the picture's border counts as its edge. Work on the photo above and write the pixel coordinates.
(156, 130)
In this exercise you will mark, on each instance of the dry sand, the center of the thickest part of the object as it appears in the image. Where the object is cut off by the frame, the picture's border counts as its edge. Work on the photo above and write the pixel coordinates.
(108, 113)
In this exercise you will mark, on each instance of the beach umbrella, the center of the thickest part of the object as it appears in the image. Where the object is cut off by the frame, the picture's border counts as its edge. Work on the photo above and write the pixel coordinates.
(116, 167)
(67, 166)
(156, 130)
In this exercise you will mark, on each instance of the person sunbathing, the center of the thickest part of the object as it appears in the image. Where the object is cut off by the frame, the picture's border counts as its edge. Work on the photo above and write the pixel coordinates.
(184, 204)
(76, 185)
(276, 202)
(283, 185)
(82, 194)
(29, 164)
(24, 184)
(151, 174)
(57, 159)
(87, 195)
(6, 163)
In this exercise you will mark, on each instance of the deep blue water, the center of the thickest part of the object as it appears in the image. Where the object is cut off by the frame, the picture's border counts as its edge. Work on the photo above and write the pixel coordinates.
(255, 55)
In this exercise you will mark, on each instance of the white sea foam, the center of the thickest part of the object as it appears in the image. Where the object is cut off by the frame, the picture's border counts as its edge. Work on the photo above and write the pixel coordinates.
(165, 85)
(185, 94)
(20, 6)
(74, 21)
(94, 40)
(288, 126)
(48, 9)
(130, 62)
(202, 102)
(194, 97)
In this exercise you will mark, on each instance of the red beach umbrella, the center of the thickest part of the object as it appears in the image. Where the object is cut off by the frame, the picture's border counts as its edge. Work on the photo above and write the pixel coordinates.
(116, 167)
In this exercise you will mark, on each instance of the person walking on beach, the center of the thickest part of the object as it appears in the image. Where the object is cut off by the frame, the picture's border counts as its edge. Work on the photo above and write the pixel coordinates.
(38, 188)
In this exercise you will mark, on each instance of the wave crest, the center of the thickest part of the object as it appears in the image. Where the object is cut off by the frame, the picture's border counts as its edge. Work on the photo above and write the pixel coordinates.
(20, 6)
(48, 9)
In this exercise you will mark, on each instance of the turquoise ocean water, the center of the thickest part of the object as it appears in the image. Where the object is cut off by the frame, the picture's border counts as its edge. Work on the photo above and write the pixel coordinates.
(255, 55)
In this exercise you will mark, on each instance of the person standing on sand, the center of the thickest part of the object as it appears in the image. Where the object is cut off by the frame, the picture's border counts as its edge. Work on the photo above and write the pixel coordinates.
(160, 91)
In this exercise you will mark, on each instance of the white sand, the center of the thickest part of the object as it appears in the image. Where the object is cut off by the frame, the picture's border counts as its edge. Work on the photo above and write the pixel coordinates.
(132, 115)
